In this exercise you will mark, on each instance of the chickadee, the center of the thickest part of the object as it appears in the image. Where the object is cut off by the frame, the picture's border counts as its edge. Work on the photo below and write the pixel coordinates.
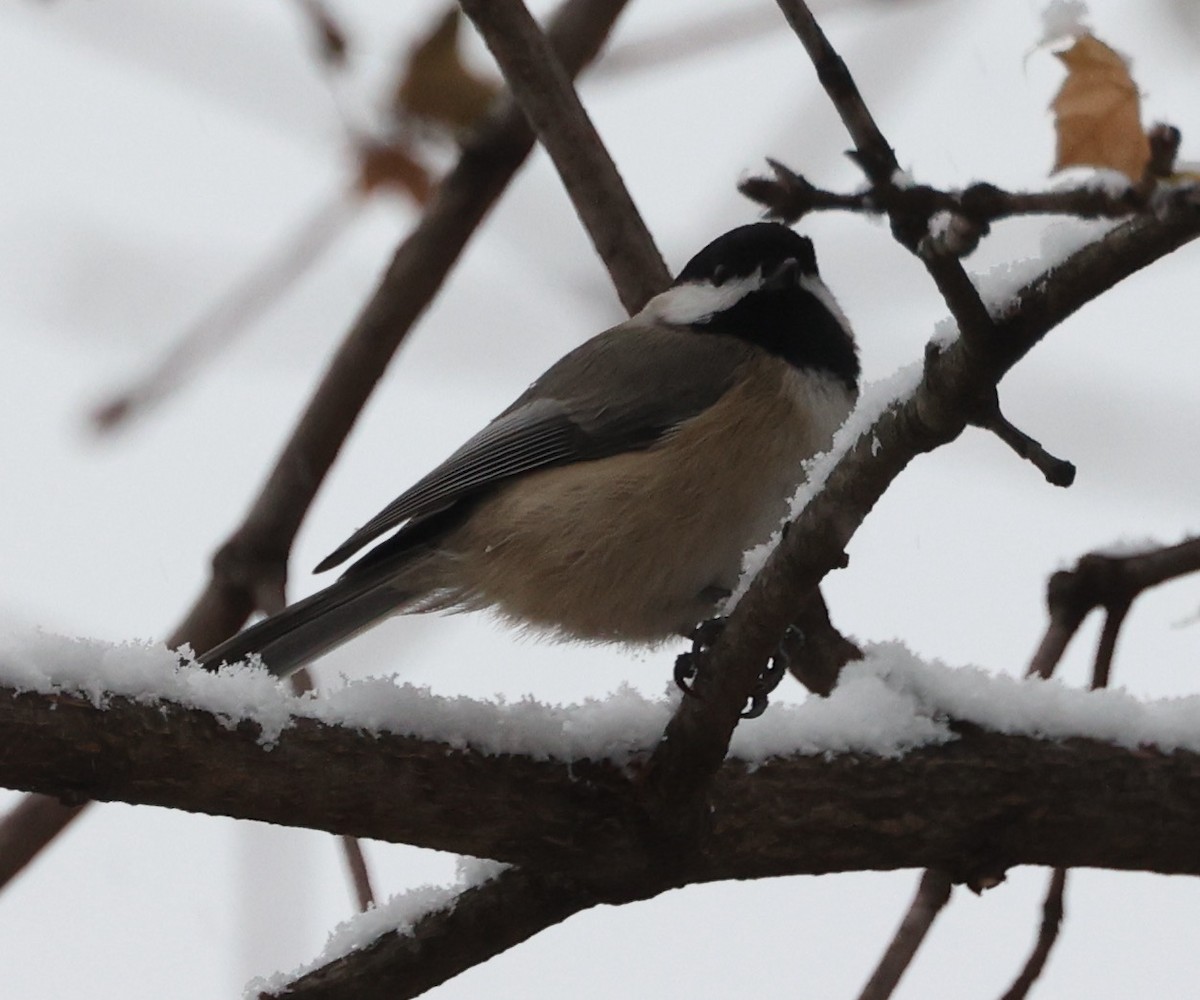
(613, 501)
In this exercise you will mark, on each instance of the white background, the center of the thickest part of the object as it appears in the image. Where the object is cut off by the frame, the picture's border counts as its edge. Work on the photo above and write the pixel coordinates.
(152, 153)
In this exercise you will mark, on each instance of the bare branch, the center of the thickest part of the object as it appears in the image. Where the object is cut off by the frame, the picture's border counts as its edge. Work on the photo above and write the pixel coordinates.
(544, 91)
(1052, 916)
(933, 893)
(814, 649)
(789, 196)
(1102, 669)
(954, 382)
(28, 827)
(1058, 472)
(231, 313)
(872, 151)
(1105, 581)
(878, 161)
(360, 875)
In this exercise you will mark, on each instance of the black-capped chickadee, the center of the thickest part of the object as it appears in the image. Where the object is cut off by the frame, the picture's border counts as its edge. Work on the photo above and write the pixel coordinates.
(613, 501)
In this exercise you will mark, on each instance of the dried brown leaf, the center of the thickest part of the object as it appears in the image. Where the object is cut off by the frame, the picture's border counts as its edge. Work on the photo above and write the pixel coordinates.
(1098, 111)
(437, 86)
(391, 165)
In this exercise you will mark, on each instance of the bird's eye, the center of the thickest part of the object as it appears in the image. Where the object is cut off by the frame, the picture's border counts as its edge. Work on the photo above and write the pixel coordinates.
(720, 275)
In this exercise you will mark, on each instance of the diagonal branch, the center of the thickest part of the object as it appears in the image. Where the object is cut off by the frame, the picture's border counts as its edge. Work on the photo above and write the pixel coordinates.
(478, 925)
(957, 382)
(543, 89)
(932, 415)
(933, 893)
(1051, 924)
(250, 568)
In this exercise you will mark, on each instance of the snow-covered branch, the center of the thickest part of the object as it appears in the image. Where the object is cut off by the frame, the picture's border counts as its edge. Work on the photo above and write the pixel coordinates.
(914, 764)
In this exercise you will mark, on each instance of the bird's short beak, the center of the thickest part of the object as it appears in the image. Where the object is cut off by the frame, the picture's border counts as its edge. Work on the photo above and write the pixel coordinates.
(786, 275)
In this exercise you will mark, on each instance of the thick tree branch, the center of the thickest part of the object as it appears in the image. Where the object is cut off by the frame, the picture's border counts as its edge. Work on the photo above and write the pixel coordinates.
(979, 804)
(544, 91)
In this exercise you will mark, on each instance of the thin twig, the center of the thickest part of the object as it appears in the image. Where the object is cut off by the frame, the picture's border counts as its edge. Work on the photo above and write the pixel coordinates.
(1052, 917)
(1058, 471)
(878, 161)
(790, 196)
(933, 893)
(330, 39)
(1052, 908)
(872, 151)
(1113, 620)
(233, 312)
(360, 874)
(1111, 582)
(544, 91)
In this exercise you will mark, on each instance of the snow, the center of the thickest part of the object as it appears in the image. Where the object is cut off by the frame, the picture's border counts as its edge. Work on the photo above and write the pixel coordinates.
(874, 399)
(887, 704)
(397, 915)
(997, 287)
(158, 150)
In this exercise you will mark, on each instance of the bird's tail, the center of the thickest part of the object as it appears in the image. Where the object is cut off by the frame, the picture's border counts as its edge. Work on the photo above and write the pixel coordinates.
(305, 630)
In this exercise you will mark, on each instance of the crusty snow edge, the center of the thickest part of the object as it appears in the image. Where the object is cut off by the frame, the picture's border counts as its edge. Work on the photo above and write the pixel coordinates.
(398, 915)
(887, 704)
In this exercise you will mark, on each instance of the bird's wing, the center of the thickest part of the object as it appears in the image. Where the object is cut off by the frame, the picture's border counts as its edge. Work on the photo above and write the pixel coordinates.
(607, 396)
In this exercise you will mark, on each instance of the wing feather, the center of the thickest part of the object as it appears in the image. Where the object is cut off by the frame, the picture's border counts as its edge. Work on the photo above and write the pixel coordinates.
(605, 397)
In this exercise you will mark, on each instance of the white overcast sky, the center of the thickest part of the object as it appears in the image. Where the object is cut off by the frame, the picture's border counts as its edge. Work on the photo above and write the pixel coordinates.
(154, 152)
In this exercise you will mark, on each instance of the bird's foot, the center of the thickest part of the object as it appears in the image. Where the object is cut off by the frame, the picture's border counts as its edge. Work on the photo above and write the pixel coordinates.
(703, 636)
(777, 666)
(687, 665)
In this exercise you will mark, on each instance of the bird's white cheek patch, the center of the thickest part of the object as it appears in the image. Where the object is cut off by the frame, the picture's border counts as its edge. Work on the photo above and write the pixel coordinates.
(696, 301)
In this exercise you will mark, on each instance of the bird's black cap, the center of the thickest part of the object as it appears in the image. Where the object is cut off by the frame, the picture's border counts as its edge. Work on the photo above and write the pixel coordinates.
(791, 318)
(740, 252)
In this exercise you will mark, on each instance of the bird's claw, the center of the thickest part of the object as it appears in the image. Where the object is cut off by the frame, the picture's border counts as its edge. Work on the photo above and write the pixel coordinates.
(703, 637)
(772, 674)
(687, 664)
